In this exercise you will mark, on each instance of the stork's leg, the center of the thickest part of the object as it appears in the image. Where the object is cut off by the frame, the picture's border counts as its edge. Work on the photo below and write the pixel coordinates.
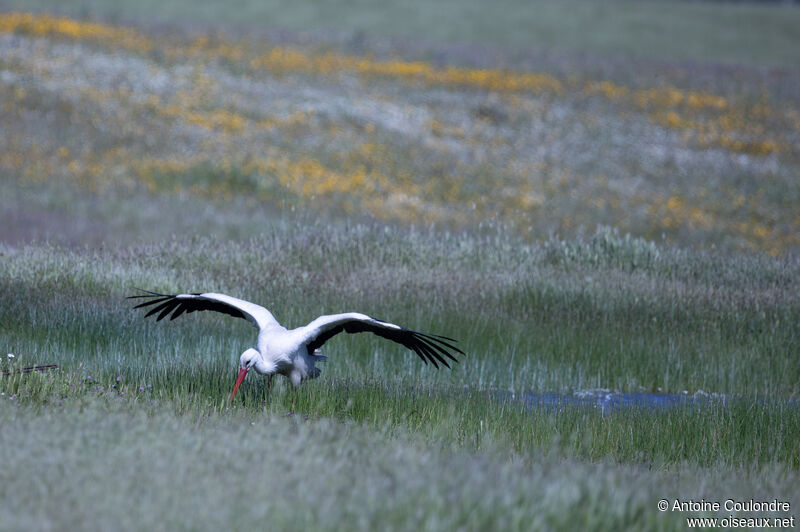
(296, 377)
(269, 382)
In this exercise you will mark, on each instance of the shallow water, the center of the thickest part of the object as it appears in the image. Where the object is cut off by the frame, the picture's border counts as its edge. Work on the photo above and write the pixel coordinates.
(607, 400)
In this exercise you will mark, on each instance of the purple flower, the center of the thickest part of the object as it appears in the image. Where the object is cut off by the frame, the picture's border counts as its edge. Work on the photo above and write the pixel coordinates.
(119, 379)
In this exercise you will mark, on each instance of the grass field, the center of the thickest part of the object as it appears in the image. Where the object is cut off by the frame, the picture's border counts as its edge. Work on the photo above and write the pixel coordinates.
(572, 232)
(575, 316)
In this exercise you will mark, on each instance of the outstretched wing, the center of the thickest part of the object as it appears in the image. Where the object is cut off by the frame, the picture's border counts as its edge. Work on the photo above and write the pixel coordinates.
(177, 304)
(429, 347)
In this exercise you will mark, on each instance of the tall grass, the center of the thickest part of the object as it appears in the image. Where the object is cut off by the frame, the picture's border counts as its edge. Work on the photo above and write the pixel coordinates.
(601, 312)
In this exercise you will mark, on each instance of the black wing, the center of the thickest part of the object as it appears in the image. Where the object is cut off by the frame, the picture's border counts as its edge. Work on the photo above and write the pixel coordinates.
(430, 348)
(177, 304)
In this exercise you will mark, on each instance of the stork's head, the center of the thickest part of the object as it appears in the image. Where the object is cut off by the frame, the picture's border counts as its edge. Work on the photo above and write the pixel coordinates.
(251, 359)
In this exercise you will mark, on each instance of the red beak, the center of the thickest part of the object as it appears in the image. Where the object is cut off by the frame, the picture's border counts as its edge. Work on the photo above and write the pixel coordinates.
(239, 379)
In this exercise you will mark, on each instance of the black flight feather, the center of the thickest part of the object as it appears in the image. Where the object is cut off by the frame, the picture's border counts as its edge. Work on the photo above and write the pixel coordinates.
(169, 303)
(429, 348)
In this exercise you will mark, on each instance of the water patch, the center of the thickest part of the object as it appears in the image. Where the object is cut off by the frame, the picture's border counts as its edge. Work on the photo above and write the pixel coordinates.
(606, 400)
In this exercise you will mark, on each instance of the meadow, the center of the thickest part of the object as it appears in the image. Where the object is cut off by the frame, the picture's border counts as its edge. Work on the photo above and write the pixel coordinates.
(574, 233)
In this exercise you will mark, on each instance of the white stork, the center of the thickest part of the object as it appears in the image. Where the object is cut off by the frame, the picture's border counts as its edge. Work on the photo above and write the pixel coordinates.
(293, 353)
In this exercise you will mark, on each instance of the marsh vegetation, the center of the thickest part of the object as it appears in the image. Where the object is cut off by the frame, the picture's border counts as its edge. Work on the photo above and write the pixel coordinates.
(573, 233)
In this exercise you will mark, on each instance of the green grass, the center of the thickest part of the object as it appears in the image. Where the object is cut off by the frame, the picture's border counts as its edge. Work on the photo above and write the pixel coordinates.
(602, 312)
(118, 465)
(743, 33)
(599, 312)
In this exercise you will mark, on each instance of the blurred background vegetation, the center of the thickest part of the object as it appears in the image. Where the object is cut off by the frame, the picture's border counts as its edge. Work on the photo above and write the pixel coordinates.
(672, 121)
(750, 32)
